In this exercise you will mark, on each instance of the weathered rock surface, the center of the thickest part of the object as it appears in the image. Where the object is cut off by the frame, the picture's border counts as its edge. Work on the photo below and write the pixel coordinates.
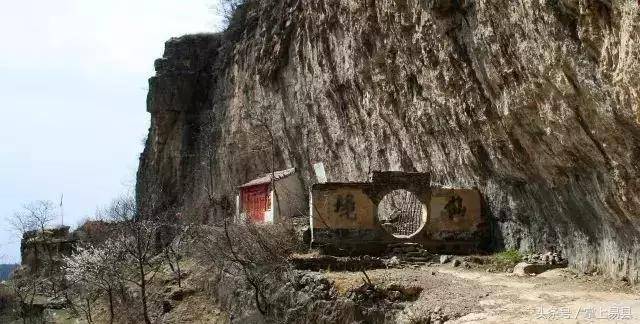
(307, 297)
(456, 262)
(536, 103)
(42, 248)
(546, 258)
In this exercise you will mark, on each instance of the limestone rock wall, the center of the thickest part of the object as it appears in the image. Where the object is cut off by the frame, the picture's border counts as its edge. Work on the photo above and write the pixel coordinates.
(534, 102)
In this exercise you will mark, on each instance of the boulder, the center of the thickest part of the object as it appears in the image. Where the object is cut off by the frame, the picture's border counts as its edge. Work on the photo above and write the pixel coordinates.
(524, 268)
(444, 259)
(393, 262)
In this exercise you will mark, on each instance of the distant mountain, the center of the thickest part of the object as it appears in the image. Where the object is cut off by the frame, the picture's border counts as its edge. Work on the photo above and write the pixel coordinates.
(5, 270)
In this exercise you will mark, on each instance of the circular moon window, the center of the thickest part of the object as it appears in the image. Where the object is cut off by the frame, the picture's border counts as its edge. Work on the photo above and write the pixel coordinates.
(401, 213)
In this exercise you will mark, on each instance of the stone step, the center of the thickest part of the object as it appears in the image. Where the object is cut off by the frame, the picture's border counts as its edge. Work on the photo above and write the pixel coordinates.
(417, 259)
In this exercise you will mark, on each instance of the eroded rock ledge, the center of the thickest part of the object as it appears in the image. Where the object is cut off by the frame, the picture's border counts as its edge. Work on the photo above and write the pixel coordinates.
(536, 103)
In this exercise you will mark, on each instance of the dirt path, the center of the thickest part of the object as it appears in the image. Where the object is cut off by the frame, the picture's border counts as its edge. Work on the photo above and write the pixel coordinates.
(475, 296)
(556, 296)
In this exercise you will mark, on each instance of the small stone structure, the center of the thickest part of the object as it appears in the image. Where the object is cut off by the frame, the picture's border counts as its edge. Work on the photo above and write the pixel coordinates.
(274, 196)
(39, 246)
(361, 217)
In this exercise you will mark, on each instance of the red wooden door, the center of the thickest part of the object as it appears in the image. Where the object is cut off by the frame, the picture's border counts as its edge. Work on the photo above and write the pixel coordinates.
(255, 202)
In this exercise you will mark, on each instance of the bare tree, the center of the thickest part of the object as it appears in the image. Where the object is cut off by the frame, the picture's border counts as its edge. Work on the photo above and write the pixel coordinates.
(82, 299)
(227, 9)
(247, 252)
(173, 249)
(25, 286)
(34, 216)
(137, 242)
(209, 165)
(122, 209)
(33, 223)
(136, 239)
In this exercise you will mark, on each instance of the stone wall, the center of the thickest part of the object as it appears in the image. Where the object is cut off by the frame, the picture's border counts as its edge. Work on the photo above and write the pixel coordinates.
(348, 215)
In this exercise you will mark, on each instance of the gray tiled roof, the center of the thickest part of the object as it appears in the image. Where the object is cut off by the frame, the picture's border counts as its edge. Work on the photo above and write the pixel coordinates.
(267, 178)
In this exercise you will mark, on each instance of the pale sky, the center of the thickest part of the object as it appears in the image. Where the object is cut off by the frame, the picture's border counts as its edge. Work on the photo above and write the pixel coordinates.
(73, 85)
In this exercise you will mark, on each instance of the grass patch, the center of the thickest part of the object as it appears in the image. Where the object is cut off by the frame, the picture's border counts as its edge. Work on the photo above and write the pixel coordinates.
(508, 257)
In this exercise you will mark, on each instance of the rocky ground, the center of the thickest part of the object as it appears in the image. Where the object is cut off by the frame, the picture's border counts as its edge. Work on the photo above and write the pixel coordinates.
(557, 295)
(462, 290)
(443, 297)
(473, 295)
(470, 289)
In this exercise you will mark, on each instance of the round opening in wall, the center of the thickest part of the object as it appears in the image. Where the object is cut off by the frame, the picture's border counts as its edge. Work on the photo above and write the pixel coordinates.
(401, 213)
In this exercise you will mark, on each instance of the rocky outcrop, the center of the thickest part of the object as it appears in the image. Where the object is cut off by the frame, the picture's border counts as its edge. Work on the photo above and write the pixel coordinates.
(309, 297)
(47, 247)
(536, 103)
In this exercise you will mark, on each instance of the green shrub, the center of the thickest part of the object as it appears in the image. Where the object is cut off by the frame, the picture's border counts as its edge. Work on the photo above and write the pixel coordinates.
(511, 256)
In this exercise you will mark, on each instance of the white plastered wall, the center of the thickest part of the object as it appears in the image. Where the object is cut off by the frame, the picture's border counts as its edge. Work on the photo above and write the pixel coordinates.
(290, 199)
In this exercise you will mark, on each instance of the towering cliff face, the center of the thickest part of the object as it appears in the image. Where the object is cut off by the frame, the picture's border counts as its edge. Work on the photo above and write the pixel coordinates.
(536, 103)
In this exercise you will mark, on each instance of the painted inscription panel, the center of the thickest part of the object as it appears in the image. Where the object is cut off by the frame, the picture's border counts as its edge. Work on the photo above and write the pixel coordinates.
(342, 208)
